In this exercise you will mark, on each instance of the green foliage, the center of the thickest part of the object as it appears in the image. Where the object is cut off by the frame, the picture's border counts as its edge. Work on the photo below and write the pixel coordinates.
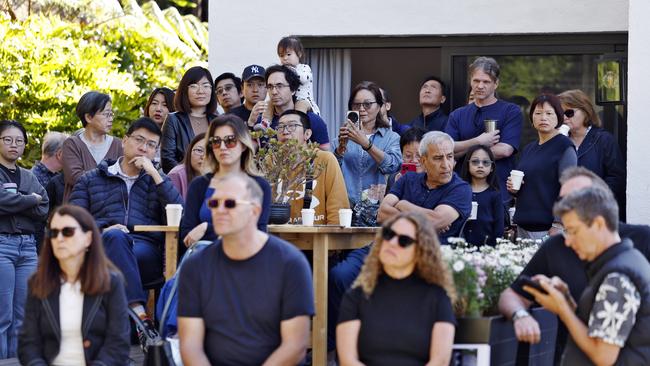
(48, 63)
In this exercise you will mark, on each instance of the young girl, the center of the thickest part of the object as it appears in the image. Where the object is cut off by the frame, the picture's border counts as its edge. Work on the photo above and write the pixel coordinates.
(479, 171)
(292, 54)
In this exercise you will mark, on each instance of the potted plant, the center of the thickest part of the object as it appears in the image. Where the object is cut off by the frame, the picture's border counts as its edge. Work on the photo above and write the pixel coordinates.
(286, 166)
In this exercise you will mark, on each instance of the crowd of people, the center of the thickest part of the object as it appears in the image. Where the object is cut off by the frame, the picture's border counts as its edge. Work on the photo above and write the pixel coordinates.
(435, 177)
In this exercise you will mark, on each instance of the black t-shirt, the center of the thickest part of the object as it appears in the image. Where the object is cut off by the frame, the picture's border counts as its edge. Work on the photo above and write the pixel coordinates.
(242, 302)
(554, 258)
(14, 174)
(397, 319)
(241, 112)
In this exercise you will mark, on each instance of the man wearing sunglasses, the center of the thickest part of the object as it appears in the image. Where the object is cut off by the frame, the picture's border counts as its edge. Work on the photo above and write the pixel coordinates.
(555, 259)
(281, 85)
(326, 194)
(247, 299)
(126, 192)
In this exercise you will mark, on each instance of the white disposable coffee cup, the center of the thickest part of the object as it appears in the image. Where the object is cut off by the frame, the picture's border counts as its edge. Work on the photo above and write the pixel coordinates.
(345, 217)
(307, 216)
(516, 176)
(174, 213)
(474, 213)
(564, 129)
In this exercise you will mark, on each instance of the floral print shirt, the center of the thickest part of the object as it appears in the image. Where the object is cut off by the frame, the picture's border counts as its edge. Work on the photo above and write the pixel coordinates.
(614, 312)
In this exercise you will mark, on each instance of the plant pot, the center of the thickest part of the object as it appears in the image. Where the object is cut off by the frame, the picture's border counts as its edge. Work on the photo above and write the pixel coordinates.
(280, 213)
(499, 334)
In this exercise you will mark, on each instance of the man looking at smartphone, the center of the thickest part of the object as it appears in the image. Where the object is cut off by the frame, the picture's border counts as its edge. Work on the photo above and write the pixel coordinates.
(613, 314)
(555, 259)
(326, 194)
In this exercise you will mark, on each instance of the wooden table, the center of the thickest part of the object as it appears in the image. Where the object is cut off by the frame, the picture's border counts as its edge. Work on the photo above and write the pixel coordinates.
(320, 240)
(171, 245)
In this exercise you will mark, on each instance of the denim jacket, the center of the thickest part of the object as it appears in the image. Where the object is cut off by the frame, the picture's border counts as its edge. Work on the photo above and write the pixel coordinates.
(360, 170)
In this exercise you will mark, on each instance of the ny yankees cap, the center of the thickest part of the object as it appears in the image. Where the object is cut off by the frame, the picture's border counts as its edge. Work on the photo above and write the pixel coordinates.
(252, 71)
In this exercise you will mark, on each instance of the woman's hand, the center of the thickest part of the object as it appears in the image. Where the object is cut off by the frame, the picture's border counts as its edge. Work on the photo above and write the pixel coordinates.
(355, 134)
(510, 187)
(195, 234)
(343, 140)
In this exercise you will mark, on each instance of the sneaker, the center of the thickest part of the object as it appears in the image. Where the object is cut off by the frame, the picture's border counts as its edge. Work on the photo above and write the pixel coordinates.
(147, 336)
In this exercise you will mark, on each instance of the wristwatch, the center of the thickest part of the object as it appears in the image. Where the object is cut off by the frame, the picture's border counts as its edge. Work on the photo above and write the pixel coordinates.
(521, 313)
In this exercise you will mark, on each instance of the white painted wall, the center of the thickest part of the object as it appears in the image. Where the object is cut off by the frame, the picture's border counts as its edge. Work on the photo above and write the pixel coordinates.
(245, 32)
(638, 164)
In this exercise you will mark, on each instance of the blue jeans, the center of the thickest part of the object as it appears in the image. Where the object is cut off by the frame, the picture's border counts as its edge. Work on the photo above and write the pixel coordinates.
(138, 257)
(339, 281)
(17, 262)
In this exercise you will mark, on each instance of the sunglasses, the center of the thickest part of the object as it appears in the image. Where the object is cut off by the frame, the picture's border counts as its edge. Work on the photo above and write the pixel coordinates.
(569, 113)
(228, 203)
(67, 232)
(477, 162)
(403, 240)
(230, 141)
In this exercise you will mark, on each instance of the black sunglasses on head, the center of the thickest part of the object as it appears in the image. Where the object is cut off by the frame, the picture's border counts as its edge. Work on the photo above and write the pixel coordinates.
(403, 240)
(67, 232)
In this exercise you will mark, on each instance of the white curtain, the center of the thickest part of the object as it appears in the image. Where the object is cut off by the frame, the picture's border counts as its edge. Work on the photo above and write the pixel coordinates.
(332, 69)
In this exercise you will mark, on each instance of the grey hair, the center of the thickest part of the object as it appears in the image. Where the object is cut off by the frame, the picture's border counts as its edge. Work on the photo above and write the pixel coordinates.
(433, 138)
(588, 204)
(579, 171)
(252, 188)
(486, 64)
(53, 142)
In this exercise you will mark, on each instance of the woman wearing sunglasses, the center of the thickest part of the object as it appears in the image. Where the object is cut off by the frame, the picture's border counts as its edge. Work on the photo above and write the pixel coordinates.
(229, 149)
(596, 148)
(76, 312)
(542, 162)
(399, 310)
(195, 103)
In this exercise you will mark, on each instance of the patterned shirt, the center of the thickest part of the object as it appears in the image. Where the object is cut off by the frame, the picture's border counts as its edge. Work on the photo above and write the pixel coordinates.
(614, 312)
(42, 173)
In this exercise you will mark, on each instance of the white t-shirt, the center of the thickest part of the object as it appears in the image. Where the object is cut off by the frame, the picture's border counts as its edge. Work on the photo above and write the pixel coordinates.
(98, 151)
(71, 304)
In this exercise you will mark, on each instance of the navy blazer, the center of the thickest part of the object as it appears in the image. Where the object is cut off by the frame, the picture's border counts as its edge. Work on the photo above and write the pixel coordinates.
(104, 327)
(599, 152)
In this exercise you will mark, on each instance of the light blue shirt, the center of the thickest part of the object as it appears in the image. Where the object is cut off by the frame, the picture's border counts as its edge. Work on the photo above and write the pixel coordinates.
(360, 170)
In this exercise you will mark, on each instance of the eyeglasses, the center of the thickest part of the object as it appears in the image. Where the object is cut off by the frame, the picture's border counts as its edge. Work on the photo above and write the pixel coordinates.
(403, 240)
(255, 84)
(289, 128)
(196, 87)
(228, 203)
(108, 114)
(139, 140)
(199, 151)
(67, 232)
(226, 88)
(277, 87)
(477, 162)
(569, 113)
(365, 105)
(8, 140)
(230, 141)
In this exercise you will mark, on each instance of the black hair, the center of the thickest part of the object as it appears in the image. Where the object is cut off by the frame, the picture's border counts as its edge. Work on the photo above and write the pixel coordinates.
(443, 86)
(413, 134)
(229, 75)
(553, 101)
(304, 118)
(6, 124)
(91, 103)
(491, 179)
(292, 78)
(146, 123)
(294, 43)
(169, 99)
(191, 76)
(376, 91)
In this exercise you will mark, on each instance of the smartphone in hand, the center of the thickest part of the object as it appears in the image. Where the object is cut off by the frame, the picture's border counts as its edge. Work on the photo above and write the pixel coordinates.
(408, 167)
(354, 117)
(524, 280)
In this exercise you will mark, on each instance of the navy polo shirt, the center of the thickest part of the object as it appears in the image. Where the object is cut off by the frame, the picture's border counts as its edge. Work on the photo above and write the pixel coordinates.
(490, 219)
(434, 121)
(318, 128)
(467, 122)
(457, 193)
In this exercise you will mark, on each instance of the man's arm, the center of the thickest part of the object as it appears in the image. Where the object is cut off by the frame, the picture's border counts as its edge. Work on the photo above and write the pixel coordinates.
(502, 150)
(486, 138)
(293, 347)
(526, 328)
(442, 216)
(387, 208)
(191, 332)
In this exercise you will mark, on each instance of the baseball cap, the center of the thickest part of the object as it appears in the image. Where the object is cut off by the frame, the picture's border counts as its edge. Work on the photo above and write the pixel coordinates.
(252, 71)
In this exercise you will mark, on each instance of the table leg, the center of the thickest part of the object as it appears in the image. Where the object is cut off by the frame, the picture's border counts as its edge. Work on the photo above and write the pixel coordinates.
(171, 253)
(319, 326)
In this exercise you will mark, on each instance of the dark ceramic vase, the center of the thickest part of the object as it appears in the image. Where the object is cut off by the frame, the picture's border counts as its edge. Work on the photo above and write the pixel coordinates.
(280, 213)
